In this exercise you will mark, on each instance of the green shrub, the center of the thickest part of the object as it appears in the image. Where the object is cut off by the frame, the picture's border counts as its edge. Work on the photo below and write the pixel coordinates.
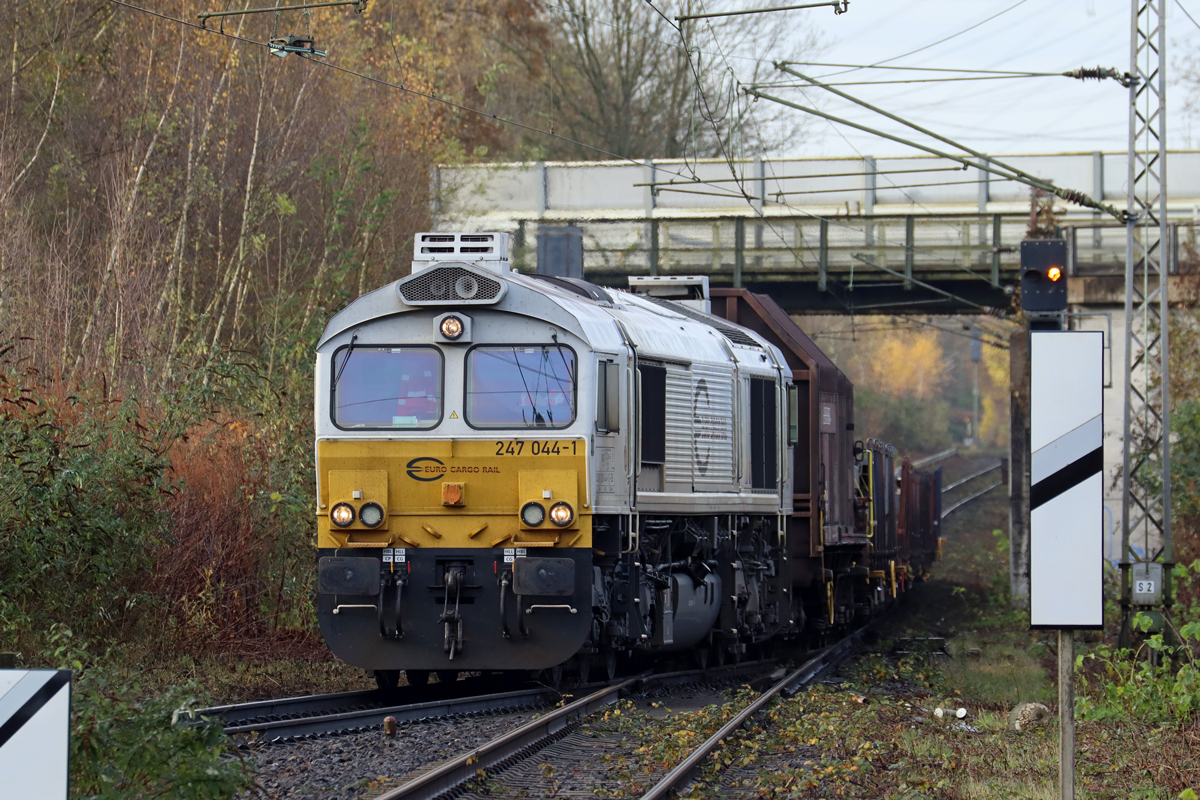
(1157, 682)
(82, 485)
(126, 745)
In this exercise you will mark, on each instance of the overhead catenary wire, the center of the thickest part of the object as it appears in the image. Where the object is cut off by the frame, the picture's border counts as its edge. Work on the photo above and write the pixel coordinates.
(359, 5)
(942, 40)
(782, 201)
(681, 188)
(878, 188)
(839, 7)
(783, 85)
(986, 162)
(1186, 14)
(881, 66)
(895, 327)
(807, 177)
(920, 283)
(1070, 195)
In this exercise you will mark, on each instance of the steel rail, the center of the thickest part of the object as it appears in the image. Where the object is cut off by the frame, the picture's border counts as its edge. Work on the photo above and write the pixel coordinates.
(972, 477)
(975, 496)
(683, 774)
(277, 708)
(313, 705)
(412, 712)
(530, 737)
(467, 765)
(933, 459)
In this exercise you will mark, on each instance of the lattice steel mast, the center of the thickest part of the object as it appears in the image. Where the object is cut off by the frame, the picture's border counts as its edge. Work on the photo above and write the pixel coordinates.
(1146, 465)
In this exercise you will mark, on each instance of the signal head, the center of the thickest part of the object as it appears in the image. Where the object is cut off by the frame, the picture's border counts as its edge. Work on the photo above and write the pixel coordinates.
(1043, 287)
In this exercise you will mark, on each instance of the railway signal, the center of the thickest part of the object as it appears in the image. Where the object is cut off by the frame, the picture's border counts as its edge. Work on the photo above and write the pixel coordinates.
(1043, 275)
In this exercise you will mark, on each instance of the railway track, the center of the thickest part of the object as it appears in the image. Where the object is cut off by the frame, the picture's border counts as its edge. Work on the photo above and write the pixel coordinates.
(520, 744)
(684, 774)
(347, 712)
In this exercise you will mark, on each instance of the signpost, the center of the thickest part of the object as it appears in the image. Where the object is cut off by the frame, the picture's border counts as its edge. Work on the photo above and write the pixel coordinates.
(35, 724)
(1066, 551)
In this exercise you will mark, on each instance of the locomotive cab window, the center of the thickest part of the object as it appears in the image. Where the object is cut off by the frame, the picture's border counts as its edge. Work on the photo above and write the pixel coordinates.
(793, 397)
(653, 402)
(608, 398)
(386, 387)
(520, 386)
(762, 434)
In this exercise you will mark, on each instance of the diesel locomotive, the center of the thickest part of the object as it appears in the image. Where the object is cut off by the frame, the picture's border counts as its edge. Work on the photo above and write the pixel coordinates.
(528, 472)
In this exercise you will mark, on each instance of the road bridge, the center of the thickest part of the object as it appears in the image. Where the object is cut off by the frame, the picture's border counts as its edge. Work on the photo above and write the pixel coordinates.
(902, 235)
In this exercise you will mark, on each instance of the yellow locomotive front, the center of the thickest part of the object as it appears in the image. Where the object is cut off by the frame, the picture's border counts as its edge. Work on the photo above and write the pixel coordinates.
(453, 508)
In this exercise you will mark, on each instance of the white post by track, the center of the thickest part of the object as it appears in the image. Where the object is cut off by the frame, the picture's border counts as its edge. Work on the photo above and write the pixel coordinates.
(35, 726)
(1066, 553)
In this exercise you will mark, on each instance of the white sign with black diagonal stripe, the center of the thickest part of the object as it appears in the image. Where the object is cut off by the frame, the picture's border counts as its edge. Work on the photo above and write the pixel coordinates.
(35, 724)
(1066, 497)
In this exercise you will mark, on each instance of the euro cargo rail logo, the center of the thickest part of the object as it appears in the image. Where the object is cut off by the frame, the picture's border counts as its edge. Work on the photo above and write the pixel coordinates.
(418, 465)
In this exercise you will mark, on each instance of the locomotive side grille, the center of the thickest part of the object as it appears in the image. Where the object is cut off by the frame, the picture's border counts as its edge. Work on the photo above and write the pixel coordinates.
(677, 472)
(450, 284)
(712, 426)
(735, 335)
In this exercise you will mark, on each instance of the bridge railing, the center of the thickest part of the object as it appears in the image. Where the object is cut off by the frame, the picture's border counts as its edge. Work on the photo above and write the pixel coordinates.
(1099, 249)
(846, 249)
(876, 249)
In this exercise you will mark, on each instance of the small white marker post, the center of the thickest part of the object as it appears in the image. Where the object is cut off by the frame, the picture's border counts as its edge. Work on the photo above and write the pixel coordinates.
(1066, 572)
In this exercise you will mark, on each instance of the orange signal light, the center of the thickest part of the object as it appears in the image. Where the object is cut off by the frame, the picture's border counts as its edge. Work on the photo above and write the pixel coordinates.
(1054, 273)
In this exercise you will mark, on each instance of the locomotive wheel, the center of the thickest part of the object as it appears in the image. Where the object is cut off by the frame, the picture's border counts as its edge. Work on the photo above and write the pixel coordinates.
(610, 664)
(387, 679)
(417, 677)
(447, 675)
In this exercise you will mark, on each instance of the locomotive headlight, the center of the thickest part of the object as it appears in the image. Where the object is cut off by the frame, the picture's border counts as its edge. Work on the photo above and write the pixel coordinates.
(532, 514)
(452, 327)
(371, 514)
(561, 514)
(342, 515)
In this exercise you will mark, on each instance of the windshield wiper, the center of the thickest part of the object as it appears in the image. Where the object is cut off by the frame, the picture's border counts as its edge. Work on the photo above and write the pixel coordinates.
(345, 361)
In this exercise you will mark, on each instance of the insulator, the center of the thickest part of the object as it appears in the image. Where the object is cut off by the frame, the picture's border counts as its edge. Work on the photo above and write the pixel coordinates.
(1094, 73)
(1075, 196)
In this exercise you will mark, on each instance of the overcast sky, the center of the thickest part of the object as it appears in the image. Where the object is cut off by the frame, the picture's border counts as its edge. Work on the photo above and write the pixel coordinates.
(1050, 114)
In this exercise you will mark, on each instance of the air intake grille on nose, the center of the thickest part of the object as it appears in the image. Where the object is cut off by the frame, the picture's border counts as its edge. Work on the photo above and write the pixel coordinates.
(449, 285)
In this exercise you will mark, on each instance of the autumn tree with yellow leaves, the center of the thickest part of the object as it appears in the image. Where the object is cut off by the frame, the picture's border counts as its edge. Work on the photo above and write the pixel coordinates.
(913, 384)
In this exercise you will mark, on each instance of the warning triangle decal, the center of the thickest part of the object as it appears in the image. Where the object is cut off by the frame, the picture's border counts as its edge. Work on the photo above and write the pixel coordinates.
(453, 415)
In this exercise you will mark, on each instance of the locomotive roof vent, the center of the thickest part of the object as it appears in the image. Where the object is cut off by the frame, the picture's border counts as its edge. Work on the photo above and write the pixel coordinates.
(687, 290)
(487, 251)
(450, 284)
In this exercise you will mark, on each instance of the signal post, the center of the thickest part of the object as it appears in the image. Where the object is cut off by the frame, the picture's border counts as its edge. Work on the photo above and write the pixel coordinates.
(1066, 436)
